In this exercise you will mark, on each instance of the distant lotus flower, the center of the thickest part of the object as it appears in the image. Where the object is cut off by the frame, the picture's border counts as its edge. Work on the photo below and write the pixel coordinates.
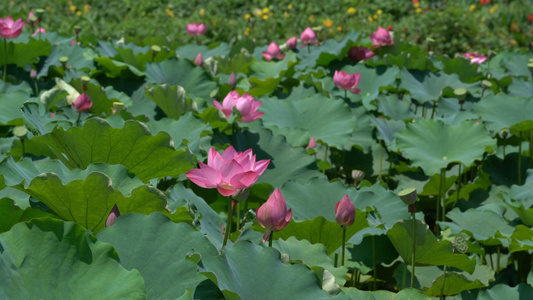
(345, 212)
(113, 215)
(33, 74)
(82, 103)
(291, 43)
(475, 58)
(10, 29)
(199, 60)
(347, 81)
(32, 16)
(360, 53)
(230, 172)
(273, 215)
(273, 52)
(381, 37)
(40, 29)
(312, 143)
(196, 28)
(232, 81)
(245, 104)
(308, 37)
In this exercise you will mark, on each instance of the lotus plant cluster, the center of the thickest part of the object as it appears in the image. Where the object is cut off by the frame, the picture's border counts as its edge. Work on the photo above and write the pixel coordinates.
(245, 104)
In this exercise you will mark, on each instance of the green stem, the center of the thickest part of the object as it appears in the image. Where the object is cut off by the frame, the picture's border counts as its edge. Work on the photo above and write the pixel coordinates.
(530, 147)
(458, 183)
(498, 261)
(325, 158)
(5, 63)
(434, 108)
(404, 277)
(443, 194)
(414, 249)
(238, 215)
(380, 161)
(374, 262)
(270, 239)
(520, 158)
(228, 223)
(443, 282)
(78, 120)
(36, 88)
(343, 244)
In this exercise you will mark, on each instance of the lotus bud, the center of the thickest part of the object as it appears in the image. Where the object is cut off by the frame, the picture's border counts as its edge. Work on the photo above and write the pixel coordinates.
(83, 103)
(312, 143)
(232, 81)
(273, 215)
(408, 196)
(291, 43)
(199, 60)
(33, 74)
(113, 215)
(345, 212)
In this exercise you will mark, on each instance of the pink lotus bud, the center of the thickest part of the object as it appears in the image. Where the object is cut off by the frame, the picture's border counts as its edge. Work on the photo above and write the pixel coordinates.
(360, 53)
(40, 29)
(273, 215)
(347, 81)
(291, 43)
(475, 58)
(113, 215)
(312, 143)
(82, 103)
(199, 60)
(345, 212)
(245, 104)
(196, 28)
(73, 42)
(10, 29)
(52, 115)
(381, 37)
(232, 81)
(308, 37)
(33, 74)
(273, 52)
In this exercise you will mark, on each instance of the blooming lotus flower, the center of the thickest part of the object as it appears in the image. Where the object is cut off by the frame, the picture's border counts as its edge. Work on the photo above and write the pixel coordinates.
(245, 104)
(199, 60)
(232, 81)
(347, 81)
(230, 172)
(273, 215)
(196, 28)
(475, 58)
(360, 53)
(291, 43)
(113, 215)
(82, 103)
(40, 29)
(10, 29)
(312, 143)
(308, 37)
(381, 37)
(345, 212)
(273, 51)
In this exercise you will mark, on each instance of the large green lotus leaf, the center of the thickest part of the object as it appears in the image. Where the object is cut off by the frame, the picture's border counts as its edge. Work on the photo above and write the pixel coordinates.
(8, 88)
(408, 293)
(429, 251)
(362, 137)
(387, 129)
(432, 145)
(321, 231)
(361, 257)
(158, 248)
(24, 53)
(521, 88)
(190, 51)
(88, 202)
(247, 271)
(467, 71)
(52, 259)
(133, 146)
(372, 80)
(78, 58)
(516, 64)
(311, 255)
(11, 103)
(114, 68)
(326, 52)
(326, 119)
(393, 107)
(13, 214)
(474, 222)
(522, 239)
(426, 86)
(505, 171)
(503, 111)
(457, 282)
(504, 291)
(171, 99)
(181, 72)
(34, 116)
(189, 128)
(265, 76)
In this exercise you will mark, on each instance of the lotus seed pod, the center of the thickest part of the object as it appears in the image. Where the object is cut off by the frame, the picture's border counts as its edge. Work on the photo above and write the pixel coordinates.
(460, 93)
(504, 133)
(39, 12)
(486, 84)
(460, 244)
(63, 59)
(20, 131)
(357, 176)
(155, 48)
(77, 30)
(408, 196)
(530, 66)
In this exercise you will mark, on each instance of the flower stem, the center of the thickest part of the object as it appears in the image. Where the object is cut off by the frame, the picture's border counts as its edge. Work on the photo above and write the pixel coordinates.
(5, 64)
(343, 244)
(270, 239)
(443, 282)
(78, 120)
(228, 223)
(374, 262)
(238, 215)
(404, 277)
(443, 194)
(414, 249)
(520, 158)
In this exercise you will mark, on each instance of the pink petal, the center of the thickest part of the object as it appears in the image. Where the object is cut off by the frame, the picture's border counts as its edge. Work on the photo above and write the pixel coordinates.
(244, 180)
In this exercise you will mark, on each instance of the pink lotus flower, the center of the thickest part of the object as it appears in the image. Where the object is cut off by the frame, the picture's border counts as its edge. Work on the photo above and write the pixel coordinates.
(10, 29)
(33, 74)
(291, 43)
(30, 16)
(347, 81)
(360, 53)
(273, 51)
(232, 81)
(475, 58)
(345, 212)
(40, 29)
(230, 172)
(199, 60)
(381, 37)
(82, 103)
(245, 104)
(273, 215)
(196, 28)
(312, 143)
(112, 217)
(308, 37)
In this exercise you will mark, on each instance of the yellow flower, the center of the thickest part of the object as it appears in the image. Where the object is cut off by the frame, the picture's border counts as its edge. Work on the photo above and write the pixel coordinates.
(370, 19)
(339, 28)
(258, 12)
(202, 12)
(285, 14)
(78, 13)
(311, 19)
(265, 17)
(331, 31)
(48, 8)
(328, 23)
(72, 8)
(375, 17)
(494, 8)
(483, 19)
(379, 12)
(418, 10)
(247, 17)
(472, 7)
(289, 6)
(352, 10)
(266, 10)
(169, 12)
(86, 8)
(247, 31)
(416, 4)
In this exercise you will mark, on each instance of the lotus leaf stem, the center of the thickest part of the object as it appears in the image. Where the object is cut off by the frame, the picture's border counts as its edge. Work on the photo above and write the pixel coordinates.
(433, 110)
(414, 249)
(343, 244)
(228, 223)
(238, 215)
(498, 260)
(5, 62)
(374, 262)
(520, 158)
(78, 120)
(443, 193)
(443, 283)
